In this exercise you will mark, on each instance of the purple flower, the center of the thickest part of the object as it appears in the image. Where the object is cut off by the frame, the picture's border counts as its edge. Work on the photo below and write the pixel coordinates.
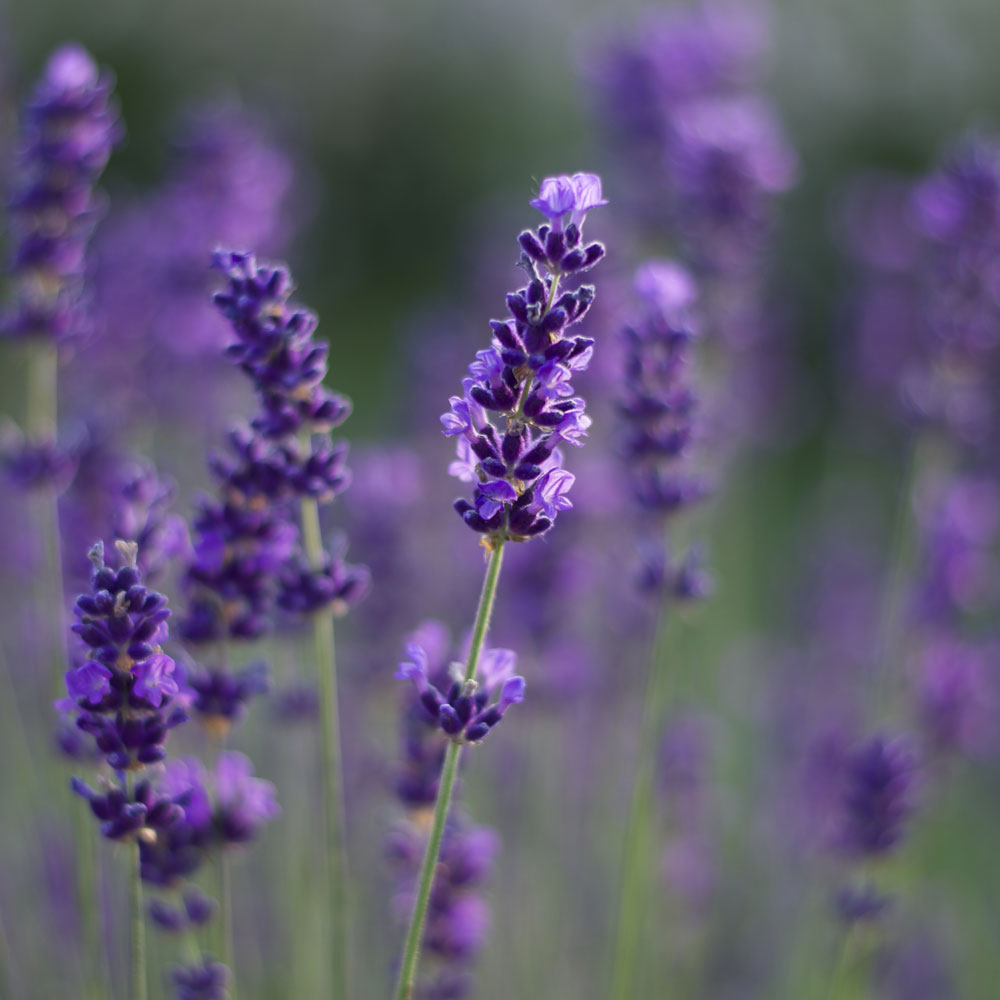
(91, 682)
(185, 781)
(491, 496)
(574, 196)
(551, 490)
(154, 679)
(556, 197)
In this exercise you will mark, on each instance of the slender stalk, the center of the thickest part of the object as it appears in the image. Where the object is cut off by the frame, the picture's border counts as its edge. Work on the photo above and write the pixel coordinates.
(41, 425)
(851, 977)
(138, 923)
(631, 903)
(42, 387)
(224, 869)
(13, 986)
(899, 574)
(411, 948)
(333, 782)
(226, 920)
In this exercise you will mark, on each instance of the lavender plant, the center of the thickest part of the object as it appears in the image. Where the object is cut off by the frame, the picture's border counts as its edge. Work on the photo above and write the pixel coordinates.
(251, 562)
(123, 691)
(523, 382)
(68, 129)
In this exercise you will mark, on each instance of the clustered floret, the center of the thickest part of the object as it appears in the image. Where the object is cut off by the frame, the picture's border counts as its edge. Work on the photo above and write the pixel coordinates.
(464, 711)
(523, 380)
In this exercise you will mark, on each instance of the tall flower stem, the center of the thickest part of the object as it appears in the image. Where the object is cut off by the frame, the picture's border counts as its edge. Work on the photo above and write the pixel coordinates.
(137, 920)
(632, 898)
(411, 949)
(40, 424)
(899, 571)
(226, 919)
(333, 781)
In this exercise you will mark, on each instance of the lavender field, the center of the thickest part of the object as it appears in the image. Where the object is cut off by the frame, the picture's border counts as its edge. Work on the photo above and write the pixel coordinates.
(500, 501)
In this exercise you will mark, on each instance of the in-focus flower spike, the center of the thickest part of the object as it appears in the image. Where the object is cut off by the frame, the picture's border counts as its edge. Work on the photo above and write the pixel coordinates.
(67, 133)
(275, 348)
(124, 691)
(518, 405)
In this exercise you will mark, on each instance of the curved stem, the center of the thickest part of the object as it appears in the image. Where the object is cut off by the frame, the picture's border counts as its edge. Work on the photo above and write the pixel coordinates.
(632, 899)
(333, 783)
(411, 948)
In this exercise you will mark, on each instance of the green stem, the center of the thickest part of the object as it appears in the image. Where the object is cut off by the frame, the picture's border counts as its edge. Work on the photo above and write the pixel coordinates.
(226, 920)
(411, 948)
(333, 785)
(138, 921)
(42, 392)
(631, 903)
(851, 976)
(41, 425)
(899, 575)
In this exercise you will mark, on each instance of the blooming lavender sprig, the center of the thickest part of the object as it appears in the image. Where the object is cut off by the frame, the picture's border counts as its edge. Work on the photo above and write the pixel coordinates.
(523, 380)
(68, 130)
(286, 455)
(126, 691)
(280, 458)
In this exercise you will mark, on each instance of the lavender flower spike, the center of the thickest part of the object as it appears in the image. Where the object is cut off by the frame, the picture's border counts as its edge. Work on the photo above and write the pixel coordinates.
(124, 690)
(517, 407)
(67, 132)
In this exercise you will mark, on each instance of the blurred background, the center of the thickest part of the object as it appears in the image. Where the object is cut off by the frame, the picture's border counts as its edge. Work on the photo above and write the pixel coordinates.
(388, 152)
